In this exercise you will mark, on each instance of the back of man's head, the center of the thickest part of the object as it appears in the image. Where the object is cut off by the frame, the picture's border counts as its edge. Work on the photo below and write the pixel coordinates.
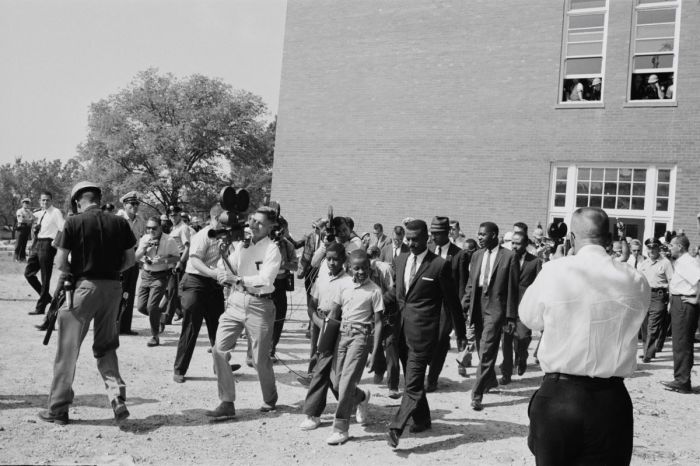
(590, 225)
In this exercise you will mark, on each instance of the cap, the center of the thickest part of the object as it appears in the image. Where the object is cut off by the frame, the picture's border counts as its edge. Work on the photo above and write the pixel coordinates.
(26, 199)
(128, 198)
(596, 81)
(173, 209)
(83, 186)
(164, 218)
(653, 79)
(440, 225)
(652, 243)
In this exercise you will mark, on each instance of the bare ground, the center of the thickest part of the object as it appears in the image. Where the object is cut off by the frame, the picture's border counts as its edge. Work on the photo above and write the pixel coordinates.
(168, 426)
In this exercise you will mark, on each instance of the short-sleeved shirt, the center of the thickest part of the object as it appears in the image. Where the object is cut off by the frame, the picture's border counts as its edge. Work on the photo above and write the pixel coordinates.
(50, 222)
(327, 287)
(686, 274)
(25, 216)
(203, 248)
(137, 225)
(360, 301)
(657, 272)
(96, 241)
(181, 234)
(166, 247)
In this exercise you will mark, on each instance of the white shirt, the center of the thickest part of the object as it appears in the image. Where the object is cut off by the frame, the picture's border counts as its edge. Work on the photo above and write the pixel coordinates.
(590, 307)
(686, 273)
(491, 255)
(51, 223)
(639, 260)
(409, 264)
(181, 234)
(205, 249)
(443, 250)
(257, 265)
(327, 287)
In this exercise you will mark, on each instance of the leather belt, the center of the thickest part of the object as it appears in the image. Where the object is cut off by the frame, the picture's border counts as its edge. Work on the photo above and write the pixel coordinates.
(257, 295)
(556, 376)
(355, 325)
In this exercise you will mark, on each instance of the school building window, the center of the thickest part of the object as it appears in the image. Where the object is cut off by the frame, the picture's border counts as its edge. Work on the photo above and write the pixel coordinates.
(583, 60)
(654, 46)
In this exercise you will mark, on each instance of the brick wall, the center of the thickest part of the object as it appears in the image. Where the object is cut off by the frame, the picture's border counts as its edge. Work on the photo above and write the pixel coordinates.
(391, 109)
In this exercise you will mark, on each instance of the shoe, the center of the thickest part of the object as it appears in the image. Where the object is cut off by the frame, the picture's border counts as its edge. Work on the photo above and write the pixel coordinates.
(504, 380)
(477, 405)
(235, 367)
(129, 332)
(57, 418)
(338, 438)
(310, 423)
(209, 350)
(378, 378)
(522, 367)
(179, 378)
(154, 341)
(267, 407)
(36, 312)
(392, 438)
(362, 415)
(676, 387)
(43, 327)
(119, 408)
(305, 381)
(646, 360)
(418, 428)
(161, 328)
(394, 394)
(249, 363)
(178, 317)
(224, 411)
(431, 387)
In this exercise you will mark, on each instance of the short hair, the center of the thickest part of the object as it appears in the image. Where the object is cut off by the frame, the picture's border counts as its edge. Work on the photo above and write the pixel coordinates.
(454, 223)
(337, 248)
(490, 227)
(378, 226)
(153, 218)
(350, 222)
(399, 231)
(472, 242)
(268, 212)
(215, 211)
(683, 241)
(338, 221)
(417, 225)
(359, 254)
(46, 193)
(91, 195)
(521, 225)
(636, 242)
(373, 252)
(522, 234)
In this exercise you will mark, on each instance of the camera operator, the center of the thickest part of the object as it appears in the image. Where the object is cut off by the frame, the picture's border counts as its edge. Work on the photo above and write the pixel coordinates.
(202, 297)
(343, 235)
(283, 282)
(158, 252)
(100, 245)
(249, 307)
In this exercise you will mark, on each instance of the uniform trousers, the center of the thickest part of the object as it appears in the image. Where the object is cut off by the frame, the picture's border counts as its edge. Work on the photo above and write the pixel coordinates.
(684, 322)
(129, 278)
(256, 316)
(40, 261)
(580, 421)
(151, 291)
(92, 299)
(23, 231)
(172, 294)
(657, 323)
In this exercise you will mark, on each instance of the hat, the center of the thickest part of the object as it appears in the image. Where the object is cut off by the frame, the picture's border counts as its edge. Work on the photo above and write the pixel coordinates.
(652, 243)
(653, 79)
(173, 209)
(164, 218)
(185, 216)
(128, 198)
(26, 199)
(83, 186)
(440, 225)
(596, 81)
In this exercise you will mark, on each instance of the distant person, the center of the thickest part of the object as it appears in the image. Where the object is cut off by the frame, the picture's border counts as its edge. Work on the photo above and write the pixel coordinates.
(576, 91)
(377, 237)
(108, 207)
(456, 235)
(397, 246)
(131, 203)
(653, 90)
(25, 219)
(595, 89)
(636, 256)
(658, 271)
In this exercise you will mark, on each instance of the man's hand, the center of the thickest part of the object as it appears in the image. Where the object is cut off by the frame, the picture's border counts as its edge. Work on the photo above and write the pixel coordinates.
(370, 362)
(461, 344)
(509, 327)
(225, 277)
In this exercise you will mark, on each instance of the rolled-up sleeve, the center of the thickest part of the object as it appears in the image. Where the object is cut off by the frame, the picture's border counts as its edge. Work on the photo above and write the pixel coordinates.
(268, 269)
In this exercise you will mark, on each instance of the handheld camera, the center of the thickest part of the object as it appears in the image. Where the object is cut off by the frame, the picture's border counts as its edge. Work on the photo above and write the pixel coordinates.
(232, 219)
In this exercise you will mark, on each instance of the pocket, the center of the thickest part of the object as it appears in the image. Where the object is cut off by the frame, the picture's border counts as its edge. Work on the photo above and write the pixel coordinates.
(529, 405)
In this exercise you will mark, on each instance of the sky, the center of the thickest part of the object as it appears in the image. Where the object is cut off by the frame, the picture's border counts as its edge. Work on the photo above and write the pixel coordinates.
(59, 56)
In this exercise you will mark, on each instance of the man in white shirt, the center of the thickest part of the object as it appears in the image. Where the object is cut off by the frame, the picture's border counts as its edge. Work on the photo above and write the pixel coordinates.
(685, 295)
(658, 271)
(49, 221)
(25, 219)
(249, 307)
(590, 307)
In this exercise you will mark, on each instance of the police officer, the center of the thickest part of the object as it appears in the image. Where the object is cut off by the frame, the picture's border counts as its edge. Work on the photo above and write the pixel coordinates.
(100, 246)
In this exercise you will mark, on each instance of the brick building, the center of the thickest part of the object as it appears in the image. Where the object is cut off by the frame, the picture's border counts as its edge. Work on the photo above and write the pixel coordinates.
(490, 110)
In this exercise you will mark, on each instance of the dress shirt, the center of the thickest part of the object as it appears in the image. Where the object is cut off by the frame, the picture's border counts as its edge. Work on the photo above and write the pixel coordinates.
(409, 264)
(686, 273)
(25, 216)
(636, 262)
(51, 223)
(381, 274)
(443, 250)
(396, 249)
(257, 265)
(657, 272)
(350, 246)
(491, 254)
(181, 234)
(359, 302)
(589, 307)
(138, 226)
(166, 247)
(203, 248)
(327, 286)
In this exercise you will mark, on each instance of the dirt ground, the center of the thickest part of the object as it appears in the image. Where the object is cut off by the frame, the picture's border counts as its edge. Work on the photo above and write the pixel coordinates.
(168, 426)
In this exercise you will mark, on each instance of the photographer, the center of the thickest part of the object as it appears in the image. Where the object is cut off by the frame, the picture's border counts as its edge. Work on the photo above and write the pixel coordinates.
(158, 252)
(343, 234)
(249, 307)
(283, 282)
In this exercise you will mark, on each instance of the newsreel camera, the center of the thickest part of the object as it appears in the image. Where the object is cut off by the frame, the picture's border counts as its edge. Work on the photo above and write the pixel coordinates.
(233, 218)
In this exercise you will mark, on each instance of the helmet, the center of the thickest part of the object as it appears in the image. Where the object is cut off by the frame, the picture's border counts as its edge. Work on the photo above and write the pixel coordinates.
(84, 186)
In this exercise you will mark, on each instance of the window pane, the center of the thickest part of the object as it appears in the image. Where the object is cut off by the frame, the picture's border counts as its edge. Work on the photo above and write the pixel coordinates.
(664, 176)
(623, 202)
(609, 202)
(666, 15)
(638, 203)
(581, 201)
(655, 30)
(610, 174)
(582, 187)
(642, 2)
(590, 21)
(662, 190)
(641, 89)
(596, 201)
(562, 173)
(644, 62)
(597, 187)
(611, 188)
(597, 174)
(638, 189)
(580, 4)
(584, 173)
(587, 48)
(654, 45)
(625, 174)
(640, 174)
(560, 187)
(623, 189)
(662, 205)
(559, 200)
(585, 36)
(584, 66)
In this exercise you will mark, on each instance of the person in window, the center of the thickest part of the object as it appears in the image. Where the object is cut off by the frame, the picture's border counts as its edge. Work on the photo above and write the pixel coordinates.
(671, 89)
(653, 89)
(595, 89)
(576, 93)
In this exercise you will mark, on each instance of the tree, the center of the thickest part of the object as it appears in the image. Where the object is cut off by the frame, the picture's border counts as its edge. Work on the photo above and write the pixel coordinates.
(177, 140)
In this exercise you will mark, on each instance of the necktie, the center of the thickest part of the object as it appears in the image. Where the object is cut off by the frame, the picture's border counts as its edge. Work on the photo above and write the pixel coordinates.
(412, 273)
(635, 261)
(487, 272)
(396, 252)
(438, 251)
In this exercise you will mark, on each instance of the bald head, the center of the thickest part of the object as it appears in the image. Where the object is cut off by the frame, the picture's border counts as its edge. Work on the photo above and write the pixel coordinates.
(590, 225)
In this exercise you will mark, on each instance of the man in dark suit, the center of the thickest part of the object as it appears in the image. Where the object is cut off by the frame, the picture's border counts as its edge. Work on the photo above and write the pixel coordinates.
(423, 282)
(491, 301)
(442, 247)
(530, 266)
(395, 247)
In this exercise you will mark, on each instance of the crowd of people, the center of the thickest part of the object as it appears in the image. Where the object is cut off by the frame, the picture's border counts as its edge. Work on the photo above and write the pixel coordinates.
(385, 304)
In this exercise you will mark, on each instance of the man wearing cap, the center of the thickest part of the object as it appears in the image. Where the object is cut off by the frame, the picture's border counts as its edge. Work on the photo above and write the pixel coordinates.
(49, 221)
(658, 271)
(25, 218)
(442, 247)
(653, 89)
(130, 276)
(100, 245)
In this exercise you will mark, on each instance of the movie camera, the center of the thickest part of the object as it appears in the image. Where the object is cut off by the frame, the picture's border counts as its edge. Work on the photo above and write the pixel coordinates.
(233, 219)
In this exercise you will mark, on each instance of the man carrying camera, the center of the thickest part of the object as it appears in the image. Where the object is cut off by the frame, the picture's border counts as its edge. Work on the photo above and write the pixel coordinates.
(250, 307)
(100, 245)
(283, 282)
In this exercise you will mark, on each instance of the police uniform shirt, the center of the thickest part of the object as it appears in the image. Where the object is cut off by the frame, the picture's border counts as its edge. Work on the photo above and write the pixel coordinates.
(257, 265)
(657, 272)
(96, 241)
(51, 222)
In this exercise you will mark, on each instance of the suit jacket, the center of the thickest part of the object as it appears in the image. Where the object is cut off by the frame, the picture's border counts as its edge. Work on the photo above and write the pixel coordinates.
(452, 253)
(420, 305)
(387, 252)
(502, 294)
(528, 272)
(379, 242)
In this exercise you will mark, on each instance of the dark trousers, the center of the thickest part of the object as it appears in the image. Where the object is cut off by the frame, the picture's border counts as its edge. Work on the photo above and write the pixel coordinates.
(172, 293)
(387, 359)
(313, 358)
(40, 261)
(684, 322)
(129, 278)
(515, 346)
(657, 318)
(202, 299)
(581, 422)
(442, 347)
(21, 243)
(279, 299)
(321, 381)
(414, 403)
(151, 292)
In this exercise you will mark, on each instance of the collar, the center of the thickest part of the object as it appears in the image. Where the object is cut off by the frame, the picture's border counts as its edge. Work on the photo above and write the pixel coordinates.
(420, 256)
(492, 250)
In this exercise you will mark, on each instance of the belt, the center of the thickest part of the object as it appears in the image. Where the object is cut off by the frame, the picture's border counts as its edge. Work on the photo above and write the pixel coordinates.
(556, 376)
(684, 295)
(256, 295)
(355, 325)
(659, 290)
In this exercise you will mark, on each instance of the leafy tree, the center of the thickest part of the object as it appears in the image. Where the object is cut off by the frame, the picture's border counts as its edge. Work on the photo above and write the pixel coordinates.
(178, 140)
